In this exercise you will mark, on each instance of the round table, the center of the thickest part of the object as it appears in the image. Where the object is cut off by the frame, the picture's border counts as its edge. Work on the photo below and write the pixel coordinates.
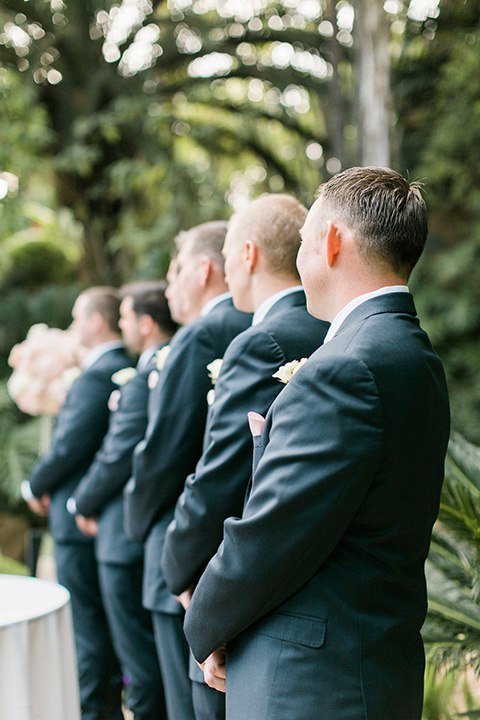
(38, 672)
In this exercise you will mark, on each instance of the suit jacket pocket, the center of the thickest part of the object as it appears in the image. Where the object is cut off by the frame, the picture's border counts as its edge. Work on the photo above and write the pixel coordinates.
(299, 629)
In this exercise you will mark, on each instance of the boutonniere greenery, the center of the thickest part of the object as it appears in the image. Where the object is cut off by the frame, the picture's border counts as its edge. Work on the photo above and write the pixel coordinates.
(161, 356)
(286, 372)
(122, 377)
(213, 372)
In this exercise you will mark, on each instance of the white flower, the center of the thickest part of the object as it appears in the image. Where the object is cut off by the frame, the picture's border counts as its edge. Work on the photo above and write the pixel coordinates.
(44, 366)
(285, 372)
(161, 356)
(214, 369)
(153, 379)
(211, 397)
(113, 400)
(123, 376)
(69, 376)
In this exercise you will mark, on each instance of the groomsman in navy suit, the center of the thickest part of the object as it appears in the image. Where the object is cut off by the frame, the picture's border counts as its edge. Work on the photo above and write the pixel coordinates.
(173, 440)
(79, 430)
(260, 253)
(98, 501)
(318, 591)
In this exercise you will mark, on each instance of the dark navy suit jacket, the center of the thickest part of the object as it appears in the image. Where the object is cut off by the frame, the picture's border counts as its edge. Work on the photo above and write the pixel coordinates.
(78, 433)
(319, 590)
(173, 442)
(216, 490)
(100, 491)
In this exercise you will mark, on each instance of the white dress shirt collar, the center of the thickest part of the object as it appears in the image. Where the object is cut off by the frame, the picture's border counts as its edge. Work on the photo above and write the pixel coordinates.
(261, 312)
(147, 355)
(345, 312)
(208, 307)
(96, 352)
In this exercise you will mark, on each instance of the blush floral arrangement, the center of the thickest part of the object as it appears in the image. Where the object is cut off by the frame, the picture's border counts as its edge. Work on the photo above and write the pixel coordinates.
(44, 366)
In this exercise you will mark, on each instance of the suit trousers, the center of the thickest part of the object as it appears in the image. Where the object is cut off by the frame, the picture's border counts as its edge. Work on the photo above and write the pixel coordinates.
(208, 703)
(173, 653)
(132, 634)
(100, 679)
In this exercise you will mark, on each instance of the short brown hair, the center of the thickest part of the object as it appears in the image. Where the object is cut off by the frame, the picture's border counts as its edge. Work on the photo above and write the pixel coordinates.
(205, 239)
(387, 214)
(273, 222)
(106, 301)
(148, 298)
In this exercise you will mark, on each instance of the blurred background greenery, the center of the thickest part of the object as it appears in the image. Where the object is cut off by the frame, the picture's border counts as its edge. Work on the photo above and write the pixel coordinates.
(123, 122)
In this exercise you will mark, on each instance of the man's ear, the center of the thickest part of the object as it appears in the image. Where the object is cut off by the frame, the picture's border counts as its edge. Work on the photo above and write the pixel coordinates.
(205, 269)
(333, 242)
(97, 321)
(250, 255)
(145, 324)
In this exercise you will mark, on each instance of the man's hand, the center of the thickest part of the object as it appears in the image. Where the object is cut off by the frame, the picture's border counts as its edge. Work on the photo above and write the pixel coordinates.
(40, 506)
(185, 597)
(214, 669)
(88, 526)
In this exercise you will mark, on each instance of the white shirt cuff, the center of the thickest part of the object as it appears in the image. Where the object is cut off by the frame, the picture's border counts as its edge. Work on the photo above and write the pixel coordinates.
(72, 506)
(26, 491)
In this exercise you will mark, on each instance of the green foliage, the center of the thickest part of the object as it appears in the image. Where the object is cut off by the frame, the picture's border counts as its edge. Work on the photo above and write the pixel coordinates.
(11, 567)
(19, 446)
(452, 629)
(221, 107)
(439, 689)
(445, 692)
(36, 264)
(20, 309)
(437, 82)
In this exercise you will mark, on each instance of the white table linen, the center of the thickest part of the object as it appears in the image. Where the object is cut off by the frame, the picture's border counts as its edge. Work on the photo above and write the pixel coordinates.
(38, 672)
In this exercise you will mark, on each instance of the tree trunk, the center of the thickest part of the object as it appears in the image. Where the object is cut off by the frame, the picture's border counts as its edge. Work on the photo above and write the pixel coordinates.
(336, 114)
(373, 94)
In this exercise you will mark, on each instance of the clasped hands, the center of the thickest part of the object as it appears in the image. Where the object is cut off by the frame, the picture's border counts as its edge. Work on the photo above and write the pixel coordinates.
(87, 525)
(214, 667)
(40, 506)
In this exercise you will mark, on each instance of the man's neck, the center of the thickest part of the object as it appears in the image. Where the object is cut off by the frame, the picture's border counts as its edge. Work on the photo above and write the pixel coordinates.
(154, 341)
(358, 285)
(105, 338)
(266, 287)
(211, 293)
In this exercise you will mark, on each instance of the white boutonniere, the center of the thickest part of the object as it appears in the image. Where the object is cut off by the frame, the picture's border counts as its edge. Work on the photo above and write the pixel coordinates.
(214, 369)
(153, 379)
(122, 377)
(285, 372)
(161, 356)
(114, 400)
(213, 372)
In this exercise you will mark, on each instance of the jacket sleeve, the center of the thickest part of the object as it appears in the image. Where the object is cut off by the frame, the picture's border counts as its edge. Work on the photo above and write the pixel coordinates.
(112, 465)
(324, 446)
(78, 433)
(216, 490)
(173, 441)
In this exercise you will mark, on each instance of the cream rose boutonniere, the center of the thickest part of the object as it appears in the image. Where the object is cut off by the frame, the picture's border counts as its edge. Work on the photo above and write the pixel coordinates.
(285, 372)
(153, 379)
(214, 369)
(123, 376)
(161, 356)
(213, 372)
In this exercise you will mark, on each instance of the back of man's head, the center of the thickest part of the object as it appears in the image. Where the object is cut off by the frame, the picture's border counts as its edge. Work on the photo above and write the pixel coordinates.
(272, 223)
(205, 239)
(148, 298)
(386, 213)
(106, 301)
